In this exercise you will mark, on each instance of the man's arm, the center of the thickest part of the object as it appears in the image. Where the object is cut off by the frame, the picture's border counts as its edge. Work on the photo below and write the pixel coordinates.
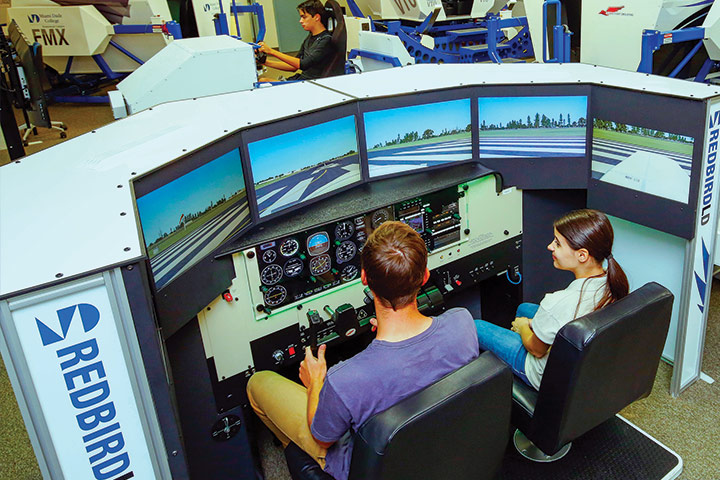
(279, 65)
(532, 343)
(312, 374)
(284, 59)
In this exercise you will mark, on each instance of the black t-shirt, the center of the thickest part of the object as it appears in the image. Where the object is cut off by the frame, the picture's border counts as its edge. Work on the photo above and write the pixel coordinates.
(316, 52)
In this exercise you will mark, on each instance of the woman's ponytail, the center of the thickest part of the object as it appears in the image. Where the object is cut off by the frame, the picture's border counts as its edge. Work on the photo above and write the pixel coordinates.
(617, 283)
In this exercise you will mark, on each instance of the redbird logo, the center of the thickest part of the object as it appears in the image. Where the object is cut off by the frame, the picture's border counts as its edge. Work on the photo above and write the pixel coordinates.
(611, 10)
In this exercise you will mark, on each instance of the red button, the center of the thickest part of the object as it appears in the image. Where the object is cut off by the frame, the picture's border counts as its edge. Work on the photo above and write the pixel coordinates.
(458, 282)
(291, 350)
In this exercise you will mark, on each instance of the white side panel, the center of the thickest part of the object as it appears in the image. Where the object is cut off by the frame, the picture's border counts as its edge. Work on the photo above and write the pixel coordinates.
(383, 44)
(691, 335)
(354, 26)
(648, 255)
(271, 36)
(533, 10)
(188, 68)
(70, 342)
(143, 12)
(712, 32)
(612, 34)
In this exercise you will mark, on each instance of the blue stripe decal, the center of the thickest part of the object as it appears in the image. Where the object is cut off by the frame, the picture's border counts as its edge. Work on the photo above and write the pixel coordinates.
(704, 2)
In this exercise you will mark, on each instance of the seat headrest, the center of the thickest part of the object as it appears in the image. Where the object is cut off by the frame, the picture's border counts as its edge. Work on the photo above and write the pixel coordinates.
(333, 15)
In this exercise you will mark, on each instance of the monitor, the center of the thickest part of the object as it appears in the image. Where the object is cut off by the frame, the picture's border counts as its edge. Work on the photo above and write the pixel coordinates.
(532, 127)
(536, 136)
(642, 159)
(299, 161)
(408, 138)
(646, 158)
(187, 210)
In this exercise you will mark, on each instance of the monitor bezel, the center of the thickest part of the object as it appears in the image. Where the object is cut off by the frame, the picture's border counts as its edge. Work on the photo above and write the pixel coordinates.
(291, 124)
(650, 110)
(535, 173)
(411, 99)
(148, 182)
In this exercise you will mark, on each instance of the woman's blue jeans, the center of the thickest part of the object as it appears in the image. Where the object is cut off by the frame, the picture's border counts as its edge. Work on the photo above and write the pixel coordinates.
(506, 344)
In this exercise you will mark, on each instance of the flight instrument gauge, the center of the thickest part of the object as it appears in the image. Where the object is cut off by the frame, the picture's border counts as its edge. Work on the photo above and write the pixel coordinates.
(318, 243)
(344, 230)
(379, 217)
(271, 274)
(320, 265)
(348, 273)
(275, 296)
(345, 251)
(289, 247)
(269, 256)
(293, 267)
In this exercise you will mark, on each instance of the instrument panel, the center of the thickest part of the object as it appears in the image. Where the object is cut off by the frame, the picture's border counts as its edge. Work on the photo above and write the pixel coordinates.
(301, 287)
(307, 263)
(301, 265)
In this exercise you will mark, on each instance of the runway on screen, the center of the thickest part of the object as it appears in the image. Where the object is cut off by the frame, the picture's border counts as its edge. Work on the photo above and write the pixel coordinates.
(606, 154)
(532, 146)
(173, 261)
(311, 182)
(426, 154)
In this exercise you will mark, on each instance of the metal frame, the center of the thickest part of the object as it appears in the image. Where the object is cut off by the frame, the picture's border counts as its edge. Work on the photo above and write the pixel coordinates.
(466, 43)
(652, 40)
(393, 61)
(692, 280)
(222, 27)
(561, 36)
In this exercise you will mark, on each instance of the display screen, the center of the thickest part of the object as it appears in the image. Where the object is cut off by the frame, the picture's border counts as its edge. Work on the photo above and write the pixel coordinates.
(416, 222)
(522, 127)
(189, 217)
(318, 243)
(293, 167)
(419, 136)
(642, 159)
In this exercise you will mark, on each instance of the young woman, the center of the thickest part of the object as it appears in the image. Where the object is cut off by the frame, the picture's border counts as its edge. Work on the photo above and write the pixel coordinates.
(582, 242)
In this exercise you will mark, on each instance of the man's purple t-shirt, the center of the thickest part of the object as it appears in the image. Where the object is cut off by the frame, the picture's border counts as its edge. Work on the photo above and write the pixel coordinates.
(384, 374)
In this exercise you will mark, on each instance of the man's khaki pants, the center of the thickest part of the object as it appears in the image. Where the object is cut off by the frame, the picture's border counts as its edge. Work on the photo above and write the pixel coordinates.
(282, 405)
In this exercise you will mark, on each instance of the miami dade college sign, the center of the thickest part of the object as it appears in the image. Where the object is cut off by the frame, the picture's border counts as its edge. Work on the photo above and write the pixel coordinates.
(79, 371)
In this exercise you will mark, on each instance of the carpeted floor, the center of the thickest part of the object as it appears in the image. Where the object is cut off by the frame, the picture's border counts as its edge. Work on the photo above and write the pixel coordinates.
(690, 424)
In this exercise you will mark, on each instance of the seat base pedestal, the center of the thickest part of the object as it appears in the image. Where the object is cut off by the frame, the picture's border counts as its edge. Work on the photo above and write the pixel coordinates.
(527, 449)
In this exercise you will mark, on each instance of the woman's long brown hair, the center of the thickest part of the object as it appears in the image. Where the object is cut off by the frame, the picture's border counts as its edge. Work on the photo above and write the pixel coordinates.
(591, 230)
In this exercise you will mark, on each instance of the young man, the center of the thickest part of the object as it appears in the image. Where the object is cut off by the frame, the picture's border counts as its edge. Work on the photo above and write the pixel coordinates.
(316, 51)
(410, 352)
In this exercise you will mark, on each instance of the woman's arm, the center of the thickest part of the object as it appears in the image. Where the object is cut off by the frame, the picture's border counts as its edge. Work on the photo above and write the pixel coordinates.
(532, 343)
